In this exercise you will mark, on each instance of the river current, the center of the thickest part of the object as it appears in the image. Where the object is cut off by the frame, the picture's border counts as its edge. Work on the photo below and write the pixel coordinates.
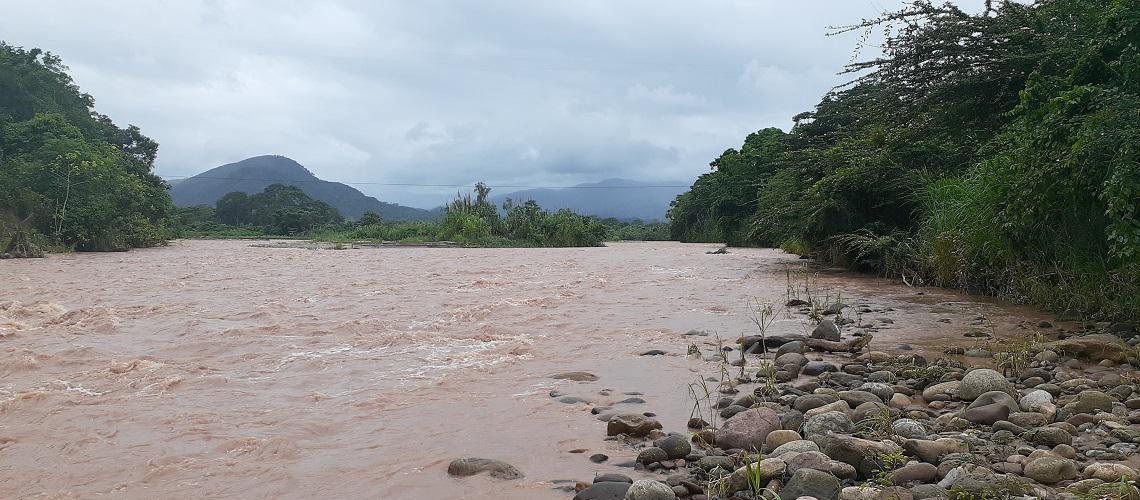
(211, 369)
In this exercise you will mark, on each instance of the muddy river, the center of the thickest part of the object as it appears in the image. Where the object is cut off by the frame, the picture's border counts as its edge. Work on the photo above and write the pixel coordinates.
(212, 369)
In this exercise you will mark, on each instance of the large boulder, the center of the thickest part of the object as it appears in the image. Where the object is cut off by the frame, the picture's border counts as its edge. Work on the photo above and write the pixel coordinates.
(809, 402)
(1048, 436)
(767, 470)
(859, 453)
(1050, 469)
(884, 391)
(1090, 402)
(982, 380)
(633, 424)
(909, 429)
(819, 461)
(648, 489)
(987, 414)
(495, 468)
(868, 492)
(748, 429)
(840, 406)
(776, 439)
(826, 330)
(1035, 400)
(791, 358)
(942, 390)
(970, 481)
(856, 398)
(996, 397)
(832, 422)
(800, 446)
(606, 490)
(818, 367)
(651, 455)
(576, 376)
(675, 446)
(1109, 472)
(811, 483)
(914, 472)
(793, 346)
(1096, 347)
(928, 492)
(932, 451)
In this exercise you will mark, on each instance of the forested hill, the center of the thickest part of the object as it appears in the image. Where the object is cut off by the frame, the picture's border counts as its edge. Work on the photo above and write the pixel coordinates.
(998, 151)
(70, 177)
(253, 175)
(618, 198)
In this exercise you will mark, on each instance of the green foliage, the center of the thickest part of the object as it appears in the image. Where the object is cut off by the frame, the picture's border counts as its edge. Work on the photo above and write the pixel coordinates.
(467, 220)
(369, 218)
(465, 228)
(280, 209)
(636, 230)
(997, 152)
(67, 172)
(884, 464)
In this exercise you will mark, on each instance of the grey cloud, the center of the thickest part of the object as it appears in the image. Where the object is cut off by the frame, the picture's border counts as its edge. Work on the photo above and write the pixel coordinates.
(448, 92)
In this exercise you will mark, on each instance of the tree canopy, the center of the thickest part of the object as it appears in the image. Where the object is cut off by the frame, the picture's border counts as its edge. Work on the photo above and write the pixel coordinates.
(68, 172)
(280, 209)
(997, 151)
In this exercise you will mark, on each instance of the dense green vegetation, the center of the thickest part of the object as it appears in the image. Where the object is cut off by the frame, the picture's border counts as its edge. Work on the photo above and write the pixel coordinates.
(69, 177)
(469, 220)
(997, 152)
(278, 210)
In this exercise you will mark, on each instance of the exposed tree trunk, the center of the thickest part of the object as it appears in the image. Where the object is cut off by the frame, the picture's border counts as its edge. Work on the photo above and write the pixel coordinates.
(853, 345)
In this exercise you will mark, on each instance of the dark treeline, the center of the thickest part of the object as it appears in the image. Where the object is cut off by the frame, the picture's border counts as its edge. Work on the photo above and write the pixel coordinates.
(997, 152)
(69, 177)
(278, 210)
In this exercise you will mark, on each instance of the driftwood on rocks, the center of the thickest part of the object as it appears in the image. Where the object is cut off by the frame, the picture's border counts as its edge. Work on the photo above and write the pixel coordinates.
(853, 345)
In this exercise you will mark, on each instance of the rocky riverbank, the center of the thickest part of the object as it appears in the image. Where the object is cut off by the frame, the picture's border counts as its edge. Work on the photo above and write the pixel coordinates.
(1055, 414)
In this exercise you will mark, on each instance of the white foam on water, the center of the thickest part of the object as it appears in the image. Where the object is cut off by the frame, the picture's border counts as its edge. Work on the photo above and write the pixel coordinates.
(77, 388)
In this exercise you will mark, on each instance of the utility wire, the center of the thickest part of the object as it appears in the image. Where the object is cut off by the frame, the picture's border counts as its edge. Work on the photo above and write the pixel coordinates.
(412, 184)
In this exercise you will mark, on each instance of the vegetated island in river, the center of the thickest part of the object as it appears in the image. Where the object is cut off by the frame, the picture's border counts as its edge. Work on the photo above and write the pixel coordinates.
(470, 220)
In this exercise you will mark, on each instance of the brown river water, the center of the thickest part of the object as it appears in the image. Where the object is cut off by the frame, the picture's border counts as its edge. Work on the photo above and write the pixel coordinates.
(211, 369)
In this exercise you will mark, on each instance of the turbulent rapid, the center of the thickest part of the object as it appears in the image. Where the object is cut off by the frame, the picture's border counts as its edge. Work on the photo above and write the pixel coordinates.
(212, 369)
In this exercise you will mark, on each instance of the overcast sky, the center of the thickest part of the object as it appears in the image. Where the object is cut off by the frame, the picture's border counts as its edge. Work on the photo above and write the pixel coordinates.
(526, 92)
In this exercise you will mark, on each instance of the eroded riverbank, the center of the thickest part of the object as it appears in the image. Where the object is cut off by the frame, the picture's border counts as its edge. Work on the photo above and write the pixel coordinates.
(213, 368)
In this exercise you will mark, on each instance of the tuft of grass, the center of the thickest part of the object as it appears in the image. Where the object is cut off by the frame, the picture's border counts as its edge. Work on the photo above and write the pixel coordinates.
(878, 424)
(795, 245)
(1117, 490)
(1014, 357)
(885, 463)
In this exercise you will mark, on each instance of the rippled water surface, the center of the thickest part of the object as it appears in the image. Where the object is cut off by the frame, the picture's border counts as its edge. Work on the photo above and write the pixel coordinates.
(220, 369)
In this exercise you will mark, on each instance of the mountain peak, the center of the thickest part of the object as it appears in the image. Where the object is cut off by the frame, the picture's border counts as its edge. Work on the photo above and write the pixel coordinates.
(629, 199)
(253, 174)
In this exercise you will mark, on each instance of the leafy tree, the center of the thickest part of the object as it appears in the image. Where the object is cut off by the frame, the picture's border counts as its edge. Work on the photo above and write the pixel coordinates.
(997, 152)
(370, 218)
(68, 172)
(234, 209)
(279, 209)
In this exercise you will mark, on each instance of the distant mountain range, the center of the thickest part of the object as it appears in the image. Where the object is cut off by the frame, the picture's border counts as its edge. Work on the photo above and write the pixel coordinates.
(252, 175)
(619, 198)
